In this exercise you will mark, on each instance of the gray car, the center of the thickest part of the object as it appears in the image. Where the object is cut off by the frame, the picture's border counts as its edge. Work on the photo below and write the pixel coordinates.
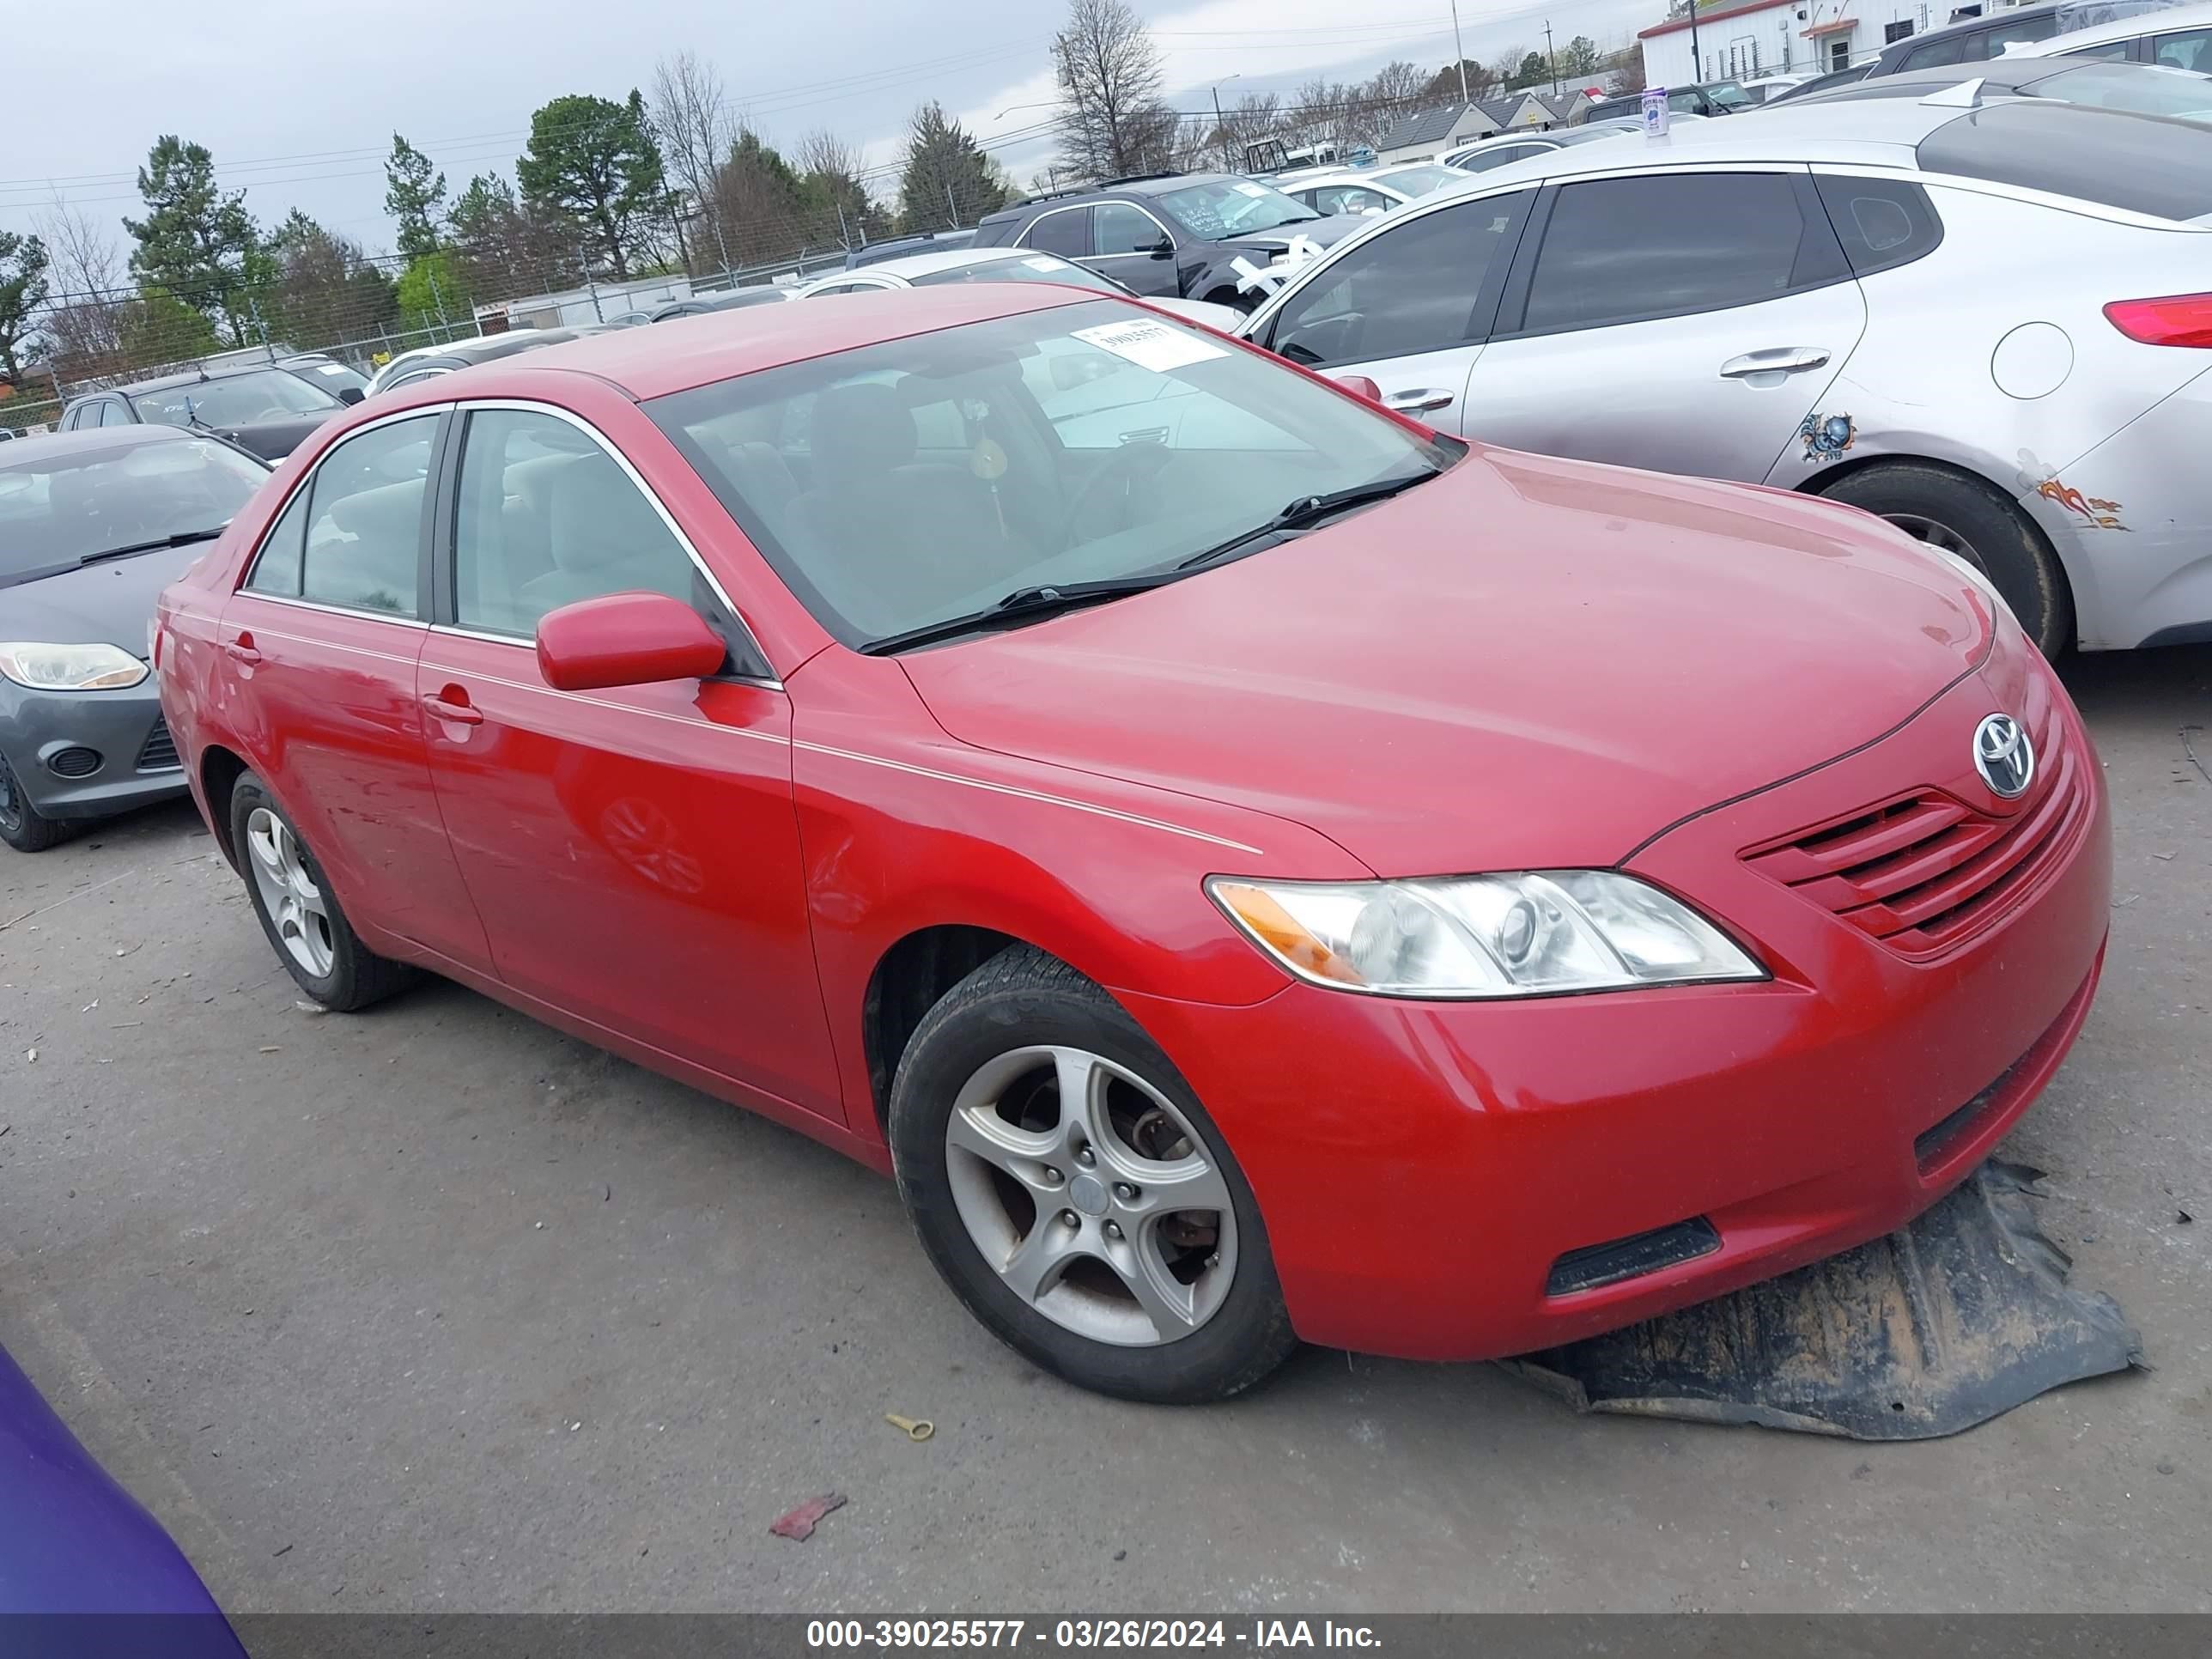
(1838, 298)
(93, 526)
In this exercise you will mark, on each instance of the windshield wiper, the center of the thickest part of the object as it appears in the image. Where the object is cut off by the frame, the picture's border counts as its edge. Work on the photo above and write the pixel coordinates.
(1309, 510)
(182, 539)
(1022, 605)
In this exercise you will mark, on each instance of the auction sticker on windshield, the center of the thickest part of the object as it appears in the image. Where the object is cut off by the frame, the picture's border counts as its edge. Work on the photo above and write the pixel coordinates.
(1046, 264)
(1150, 345)
(1251, 190)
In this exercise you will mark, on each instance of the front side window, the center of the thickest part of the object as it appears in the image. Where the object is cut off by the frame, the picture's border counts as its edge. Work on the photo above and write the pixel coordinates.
(1066, 233)
(2183, 49)
(364, 528)
(1935, 54)
(933, 482)
(546, 518)
(1350, 198)
(1620, 250)
(1220, 209)
(265, 394)
(1413, 288)
(1117, 228)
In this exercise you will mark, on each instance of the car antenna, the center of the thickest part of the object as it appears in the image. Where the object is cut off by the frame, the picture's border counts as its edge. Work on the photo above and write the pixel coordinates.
(1967, 94)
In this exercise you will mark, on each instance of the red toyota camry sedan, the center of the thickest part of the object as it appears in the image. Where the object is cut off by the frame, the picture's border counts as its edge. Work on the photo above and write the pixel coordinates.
(1253, 869)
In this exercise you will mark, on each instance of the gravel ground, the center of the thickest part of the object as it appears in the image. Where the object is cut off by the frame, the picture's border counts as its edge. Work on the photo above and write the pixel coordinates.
(431, 1309)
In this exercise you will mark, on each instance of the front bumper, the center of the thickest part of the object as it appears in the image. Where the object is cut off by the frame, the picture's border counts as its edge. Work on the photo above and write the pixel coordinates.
(47, 736)
(1423, 1168)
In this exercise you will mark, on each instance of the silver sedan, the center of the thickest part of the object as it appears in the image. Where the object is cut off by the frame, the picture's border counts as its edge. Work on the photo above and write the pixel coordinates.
(1983, 318)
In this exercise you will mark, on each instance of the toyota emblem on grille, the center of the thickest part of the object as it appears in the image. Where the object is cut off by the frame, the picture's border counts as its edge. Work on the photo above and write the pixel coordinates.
(2004, 756)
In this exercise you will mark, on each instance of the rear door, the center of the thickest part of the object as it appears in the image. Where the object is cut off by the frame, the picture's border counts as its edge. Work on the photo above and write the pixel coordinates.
(321, 640)
(1687, 322)
(1409, 308)
(634, 852)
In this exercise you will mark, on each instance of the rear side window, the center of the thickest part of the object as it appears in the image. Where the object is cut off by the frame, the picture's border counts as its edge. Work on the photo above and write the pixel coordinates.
(1881, 223)
(2183, 49)
(277, 567)
(1936, 53)
(1415, 287)
(364, 536)
(2137, 163)
(1622, 250)
(1066, 233)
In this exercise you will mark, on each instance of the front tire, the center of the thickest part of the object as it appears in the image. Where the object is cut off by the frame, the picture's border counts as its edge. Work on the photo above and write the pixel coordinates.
(1112, 1242)
(298, 911)
(23, 826)
(1964, 516)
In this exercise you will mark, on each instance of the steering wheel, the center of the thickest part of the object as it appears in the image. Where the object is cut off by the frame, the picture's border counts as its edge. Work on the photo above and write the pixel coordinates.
(1115, 485)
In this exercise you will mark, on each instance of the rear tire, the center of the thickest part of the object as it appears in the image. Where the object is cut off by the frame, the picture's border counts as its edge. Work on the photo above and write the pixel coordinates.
(1059, 1230)
(1965, 516)
(299, 912)
(23, 826)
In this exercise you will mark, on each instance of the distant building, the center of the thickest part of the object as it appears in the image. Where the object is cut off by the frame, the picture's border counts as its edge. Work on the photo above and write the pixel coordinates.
(1780, 37)
(1424, 136)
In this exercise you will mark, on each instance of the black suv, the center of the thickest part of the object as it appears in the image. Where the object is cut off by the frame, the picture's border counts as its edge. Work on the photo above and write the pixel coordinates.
(1713, 98)
(264, 407)
(1179, 234)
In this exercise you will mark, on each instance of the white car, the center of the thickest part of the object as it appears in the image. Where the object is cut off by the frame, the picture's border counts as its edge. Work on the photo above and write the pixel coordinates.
(1764, 87)
(1375, 191)
(2172, 36)
(1832, 299)
(1005, 264)
(1504, 149)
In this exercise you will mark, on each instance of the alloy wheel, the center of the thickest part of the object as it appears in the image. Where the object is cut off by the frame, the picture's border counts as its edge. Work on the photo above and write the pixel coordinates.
(1093, 1198)
(293, 902)
(1937, 535)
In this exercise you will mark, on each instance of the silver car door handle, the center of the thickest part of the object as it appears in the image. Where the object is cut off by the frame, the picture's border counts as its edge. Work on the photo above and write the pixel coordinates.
(1418, 402)
(1777, 359)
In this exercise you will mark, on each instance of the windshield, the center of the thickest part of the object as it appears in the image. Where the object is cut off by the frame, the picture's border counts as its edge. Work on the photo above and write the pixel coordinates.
(2139, 88)
(1418, 181)
(1036, 268)
(266, 394)
(1231, 207)
(56, 509)
(1729, 94)
(901, 484)
(332, 377)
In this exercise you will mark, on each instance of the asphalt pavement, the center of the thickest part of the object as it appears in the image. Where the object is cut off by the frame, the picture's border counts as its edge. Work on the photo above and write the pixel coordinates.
(431, 1309)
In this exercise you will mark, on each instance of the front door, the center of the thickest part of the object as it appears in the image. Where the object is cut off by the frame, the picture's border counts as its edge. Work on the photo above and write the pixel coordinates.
(634, 852)
(327, 629)
(1686, 322)
(1409, 308)
(1132, 247)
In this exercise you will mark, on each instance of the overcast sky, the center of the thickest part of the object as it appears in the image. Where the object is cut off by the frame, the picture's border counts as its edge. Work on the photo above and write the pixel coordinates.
(298, 99)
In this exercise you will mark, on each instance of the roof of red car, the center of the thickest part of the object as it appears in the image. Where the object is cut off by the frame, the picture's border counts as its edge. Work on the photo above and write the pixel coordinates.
(650, 361)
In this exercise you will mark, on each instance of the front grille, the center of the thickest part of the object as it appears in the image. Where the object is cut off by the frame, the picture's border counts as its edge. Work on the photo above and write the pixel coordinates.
(75, 761)
(1922, 871)
(159, 752)
(1632, 1257)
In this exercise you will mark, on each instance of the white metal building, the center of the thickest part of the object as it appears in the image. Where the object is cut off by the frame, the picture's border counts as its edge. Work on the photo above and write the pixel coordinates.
(1774, 37)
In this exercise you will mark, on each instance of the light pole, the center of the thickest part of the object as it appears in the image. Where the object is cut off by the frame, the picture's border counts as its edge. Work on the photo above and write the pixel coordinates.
(1551, 58)
(1459, 51)
(1220, 126)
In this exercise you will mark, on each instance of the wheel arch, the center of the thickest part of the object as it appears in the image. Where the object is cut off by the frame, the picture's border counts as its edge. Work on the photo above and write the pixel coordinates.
(219, 769)
(909, 979)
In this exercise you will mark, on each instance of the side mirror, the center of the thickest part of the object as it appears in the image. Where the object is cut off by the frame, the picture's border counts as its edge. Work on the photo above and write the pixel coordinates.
(1163, 249)
(626, 639)
(1360, 386)
(349, 394)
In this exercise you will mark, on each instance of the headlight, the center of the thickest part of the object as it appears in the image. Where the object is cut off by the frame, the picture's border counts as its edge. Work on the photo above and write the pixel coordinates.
(69, 667)
(1482, 936)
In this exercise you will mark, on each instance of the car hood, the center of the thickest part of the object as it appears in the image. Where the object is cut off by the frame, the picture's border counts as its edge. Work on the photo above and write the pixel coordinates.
(97, 603)
(1322, 233)
(273, 440)
(1529, 662)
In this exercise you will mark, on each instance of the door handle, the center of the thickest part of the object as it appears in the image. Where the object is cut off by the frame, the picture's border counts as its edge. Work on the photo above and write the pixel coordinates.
(1417, 402)
(1776, 360)
(241, 650)
(460, 714)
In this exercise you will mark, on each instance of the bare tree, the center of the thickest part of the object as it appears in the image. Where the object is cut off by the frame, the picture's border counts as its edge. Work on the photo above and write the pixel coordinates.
(89, 303)
(1111, 122)
(695, 126)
